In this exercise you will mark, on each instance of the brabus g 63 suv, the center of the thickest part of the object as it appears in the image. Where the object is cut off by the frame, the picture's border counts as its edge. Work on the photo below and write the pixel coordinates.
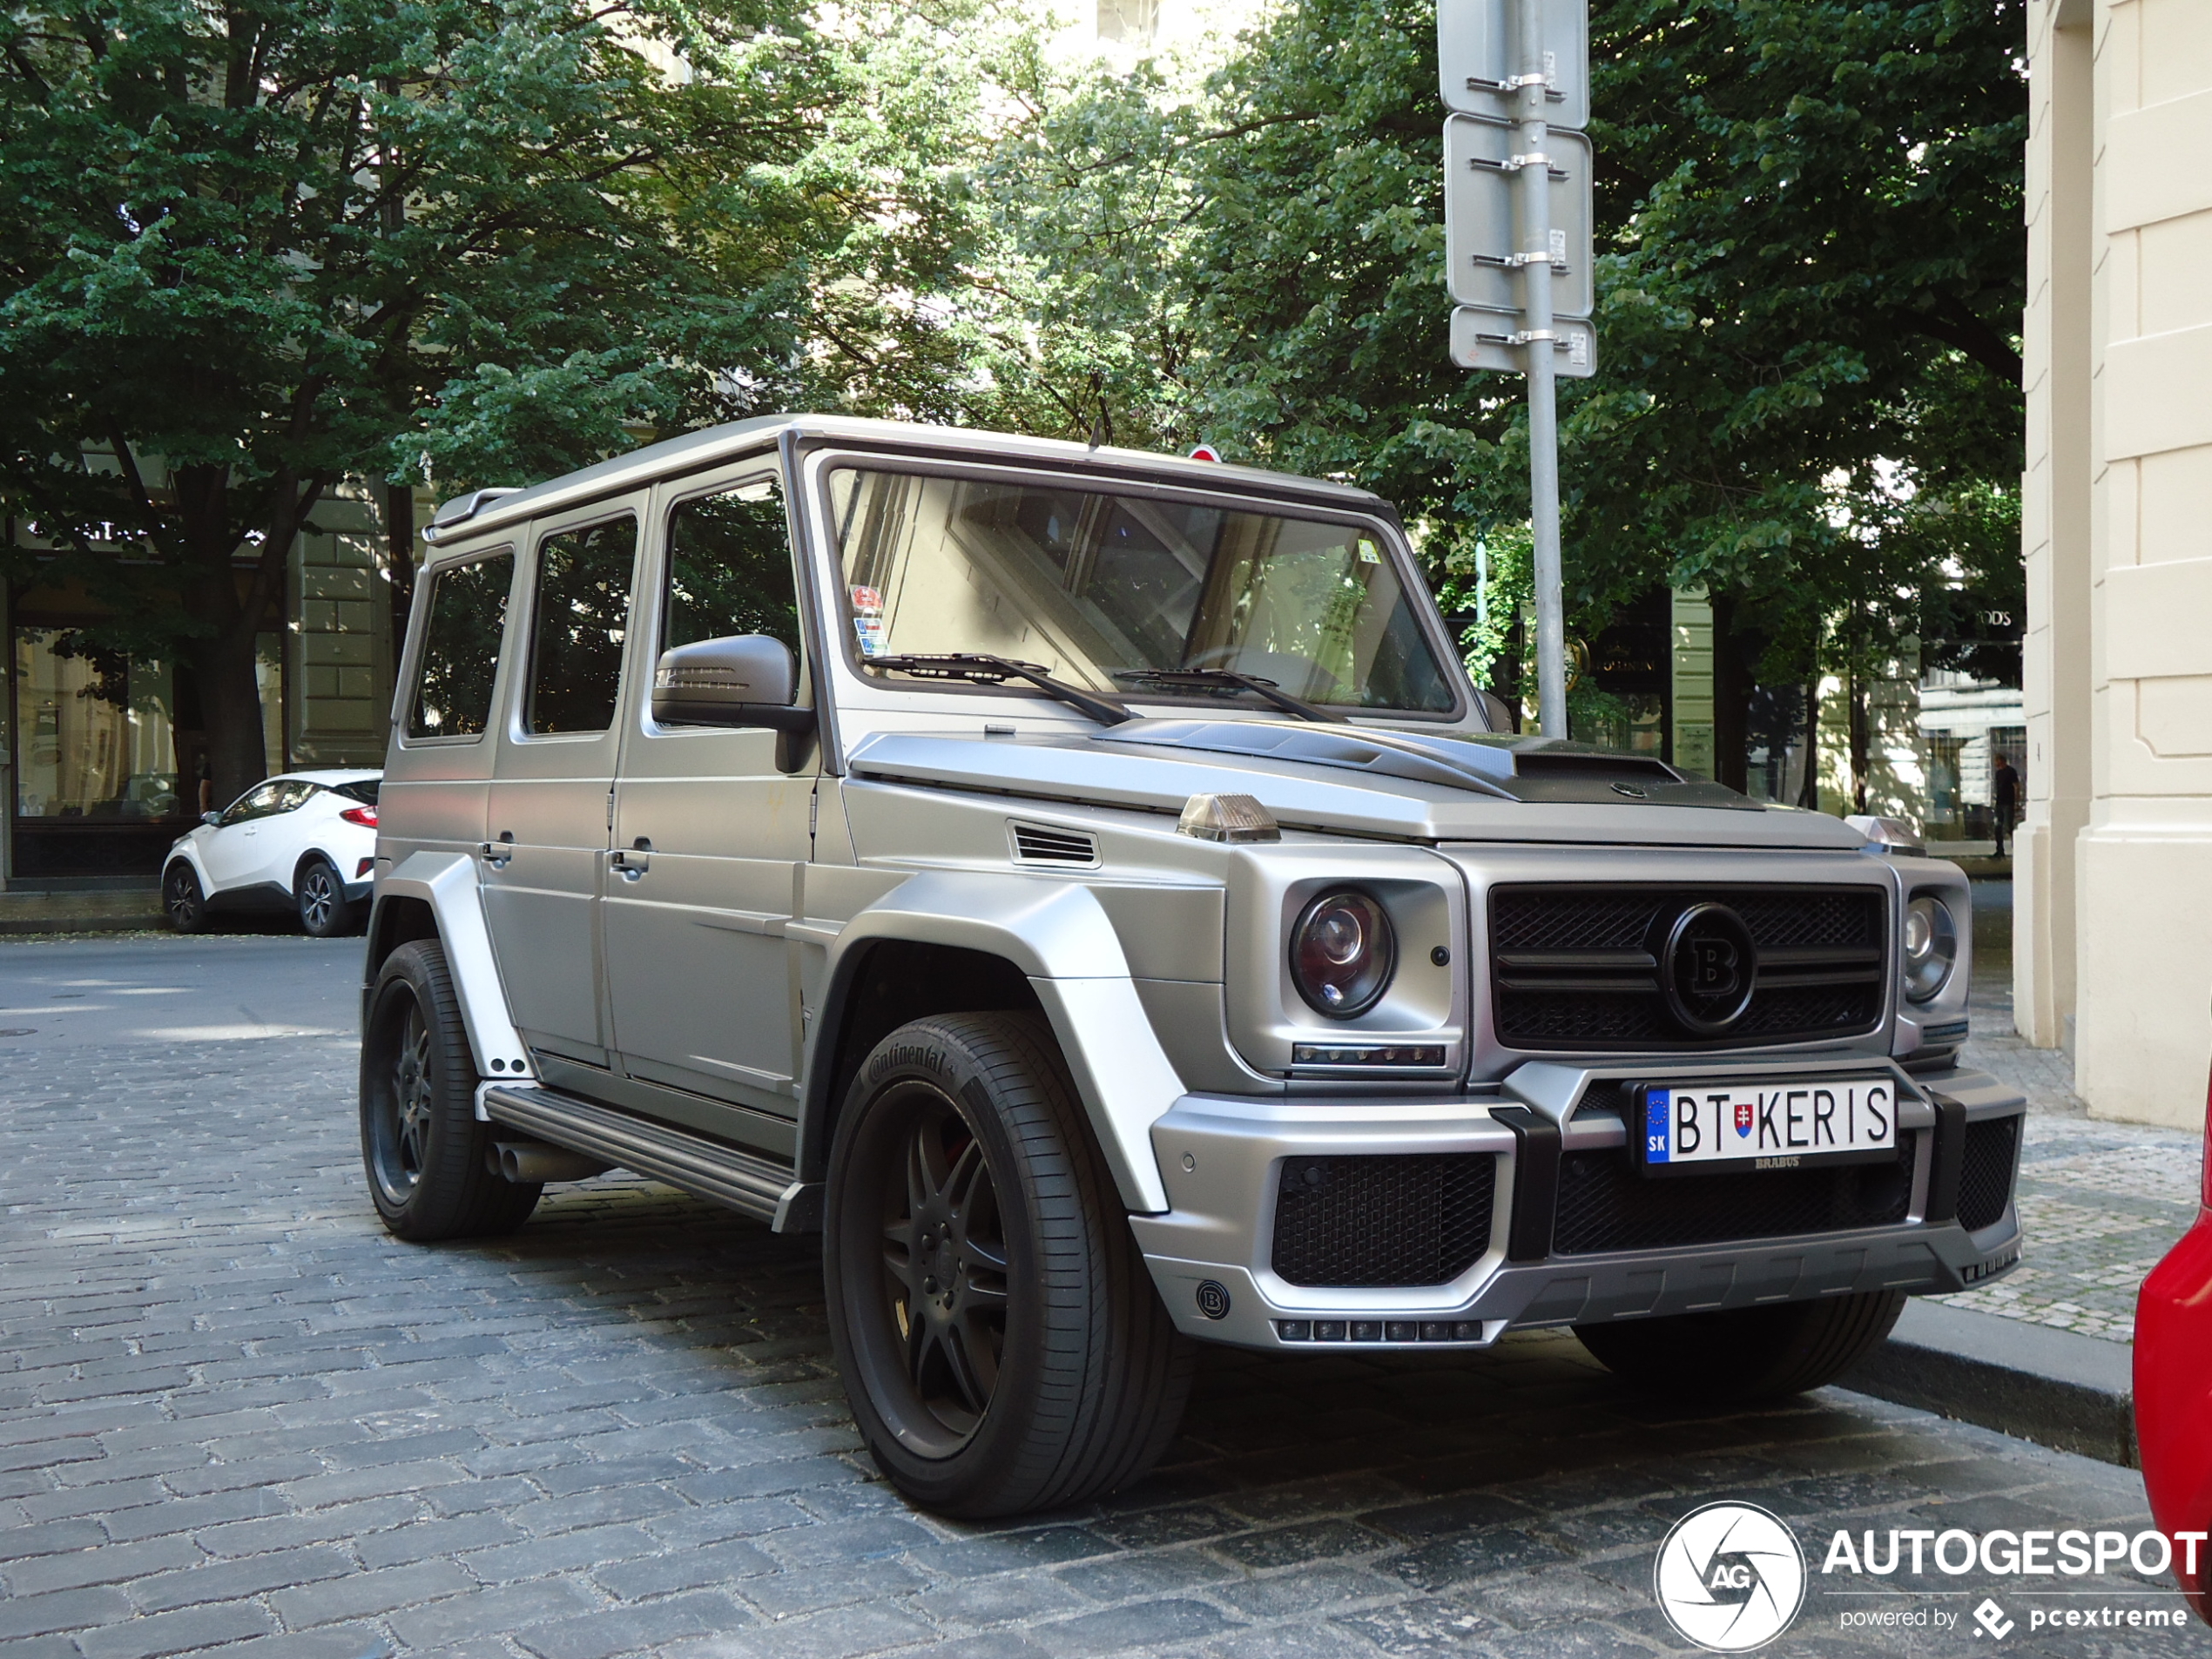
(1084, 888)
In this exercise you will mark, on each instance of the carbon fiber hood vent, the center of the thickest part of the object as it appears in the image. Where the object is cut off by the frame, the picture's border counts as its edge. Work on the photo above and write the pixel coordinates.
(1522, 769)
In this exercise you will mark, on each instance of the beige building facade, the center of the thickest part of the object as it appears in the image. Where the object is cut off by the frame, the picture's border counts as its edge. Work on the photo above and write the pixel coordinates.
(2113, 884)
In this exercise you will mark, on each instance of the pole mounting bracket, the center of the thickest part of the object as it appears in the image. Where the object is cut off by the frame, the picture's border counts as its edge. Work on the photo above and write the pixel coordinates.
(1514, 82)
(1514, 164)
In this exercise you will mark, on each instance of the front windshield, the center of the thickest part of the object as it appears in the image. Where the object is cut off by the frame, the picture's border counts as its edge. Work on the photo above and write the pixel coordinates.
(1100, 589)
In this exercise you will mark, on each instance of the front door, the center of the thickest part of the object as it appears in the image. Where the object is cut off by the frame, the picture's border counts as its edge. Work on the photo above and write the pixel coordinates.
(232, 853)
(710, 830)
(552, 781)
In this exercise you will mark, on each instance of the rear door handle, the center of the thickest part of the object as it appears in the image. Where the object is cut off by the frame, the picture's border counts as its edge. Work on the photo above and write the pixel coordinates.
(497, 856)
(634, 860)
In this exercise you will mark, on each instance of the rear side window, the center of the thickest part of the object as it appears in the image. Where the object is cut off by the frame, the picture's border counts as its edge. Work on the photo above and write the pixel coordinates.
(364, 791)
(461, 649)
(729, 568)
(582, 613)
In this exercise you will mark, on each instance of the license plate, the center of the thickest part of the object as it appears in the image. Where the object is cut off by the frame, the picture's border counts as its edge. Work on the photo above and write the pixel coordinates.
(1768, 1126)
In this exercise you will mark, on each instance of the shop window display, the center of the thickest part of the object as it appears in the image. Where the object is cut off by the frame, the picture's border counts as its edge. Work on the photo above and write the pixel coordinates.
(109, 756)
(97, 739)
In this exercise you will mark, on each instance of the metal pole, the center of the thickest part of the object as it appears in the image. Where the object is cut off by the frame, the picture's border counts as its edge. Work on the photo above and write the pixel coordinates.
(1530, 136)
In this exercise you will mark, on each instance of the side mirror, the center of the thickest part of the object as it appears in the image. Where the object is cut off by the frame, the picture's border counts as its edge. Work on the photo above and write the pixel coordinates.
(211, 819)
(744, 680)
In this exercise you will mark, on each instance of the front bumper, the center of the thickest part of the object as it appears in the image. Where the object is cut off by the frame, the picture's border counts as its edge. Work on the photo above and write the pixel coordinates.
(1213, 1256)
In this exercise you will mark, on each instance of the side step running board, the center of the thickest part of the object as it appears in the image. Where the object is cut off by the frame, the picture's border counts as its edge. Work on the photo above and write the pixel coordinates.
(757, 1186)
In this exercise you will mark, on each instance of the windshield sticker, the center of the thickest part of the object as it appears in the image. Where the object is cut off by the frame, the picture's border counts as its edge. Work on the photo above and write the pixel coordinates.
(870, 632)
(867, 602)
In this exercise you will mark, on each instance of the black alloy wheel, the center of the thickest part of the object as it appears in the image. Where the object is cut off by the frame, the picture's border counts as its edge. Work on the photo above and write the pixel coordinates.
(403, 1141)
(426, 1155)
(320, 895)
(182, 901)
(1001, 1341)
(944, 1272)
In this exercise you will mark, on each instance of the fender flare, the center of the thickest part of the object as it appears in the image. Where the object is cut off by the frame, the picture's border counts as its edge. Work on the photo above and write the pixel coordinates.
(446, 882)
(1060, 938)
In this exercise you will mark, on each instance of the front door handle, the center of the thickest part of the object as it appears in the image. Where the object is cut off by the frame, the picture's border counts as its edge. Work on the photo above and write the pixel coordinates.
(499, 855)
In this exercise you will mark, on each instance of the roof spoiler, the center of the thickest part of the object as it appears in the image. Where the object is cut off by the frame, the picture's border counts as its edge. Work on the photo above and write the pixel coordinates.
(462, 508)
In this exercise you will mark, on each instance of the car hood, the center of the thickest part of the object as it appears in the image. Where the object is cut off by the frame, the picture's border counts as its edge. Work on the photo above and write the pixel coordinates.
(1361, 780)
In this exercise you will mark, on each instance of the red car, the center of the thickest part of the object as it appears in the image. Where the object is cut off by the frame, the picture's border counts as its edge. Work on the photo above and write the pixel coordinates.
(2174, 1388)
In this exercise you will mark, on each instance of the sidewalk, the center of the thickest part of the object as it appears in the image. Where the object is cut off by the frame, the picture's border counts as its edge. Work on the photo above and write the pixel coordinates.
(99, 910)
(2100, 1202)
(2045, 1354)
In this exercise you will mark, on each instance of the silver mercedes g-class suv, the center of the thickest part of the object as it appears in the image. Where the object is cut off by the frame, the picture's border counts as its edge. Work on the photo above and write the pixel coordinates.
(1084, 886)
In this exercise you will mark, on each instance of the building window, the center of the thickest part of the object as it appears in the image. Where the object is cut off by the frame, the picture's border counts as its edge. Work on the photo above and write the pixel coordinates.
(110, 758)
(1134, 20)
(97, 739)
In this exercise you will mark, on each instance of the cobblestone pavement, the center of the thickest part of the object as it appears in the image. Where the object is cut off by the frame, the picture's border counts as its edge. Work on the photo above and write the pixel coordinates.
(233, 1411)
(2100, 1202)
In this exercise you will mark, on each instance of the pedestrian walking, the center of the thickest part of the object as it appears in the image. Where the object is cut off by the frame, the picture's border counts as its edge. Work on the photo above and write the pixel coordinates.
(2005, 792)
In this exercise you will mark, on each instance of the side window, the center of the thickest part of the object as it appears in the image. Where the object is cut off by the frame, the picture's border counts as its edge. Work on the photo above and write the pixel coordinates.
(729, 568)
(295, 795)
(257, 802)
(582, 612)
(461, 649)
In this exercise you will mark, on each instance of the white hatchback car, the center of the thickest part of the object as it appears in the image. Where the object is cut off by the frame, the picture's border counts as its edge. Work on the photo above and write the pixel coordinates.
(304, 842)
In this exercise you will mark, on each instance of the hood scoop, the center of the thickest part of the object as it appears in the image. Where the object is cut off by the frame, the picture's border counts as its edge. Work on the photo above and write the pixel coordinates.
(1519, 769)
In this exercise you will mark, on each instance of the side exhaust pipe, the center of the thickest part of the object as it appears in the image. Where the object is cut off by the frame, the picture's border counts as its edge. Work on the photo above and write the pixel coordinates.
(532, 1163)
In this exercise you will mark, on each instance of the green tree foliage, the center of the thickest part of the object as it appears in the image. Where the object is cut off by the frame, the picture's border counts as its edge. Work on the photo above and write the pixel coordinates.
(254, 250)
(1811, 275)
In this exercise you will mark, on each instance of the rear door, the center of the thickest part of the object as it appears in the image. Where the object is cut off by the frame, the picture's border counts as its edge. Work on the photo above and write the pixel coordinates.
(553, 774)
(711, 826)
(436, 775)
(289, 831)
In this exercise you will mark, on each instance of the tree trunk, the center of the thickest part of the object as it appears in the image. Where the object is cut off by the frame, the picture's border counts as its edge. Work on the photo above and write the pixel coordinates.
(399, 535)
(220, 652)
(1731, 697)
(1808, 785)
(1859, 743)
(230, 703)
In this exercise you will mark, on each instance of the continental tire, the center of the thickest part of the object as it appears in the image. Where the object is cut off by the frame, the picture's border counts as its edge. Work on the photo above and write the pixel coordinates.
(422, 1146)
(1745, 1354)
(999, 1336)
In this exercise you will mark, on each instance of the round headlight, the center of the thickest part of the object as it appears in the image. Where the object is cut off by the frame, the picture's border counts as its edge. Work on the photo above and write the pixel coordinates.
(1931, 947)
(1343, 954)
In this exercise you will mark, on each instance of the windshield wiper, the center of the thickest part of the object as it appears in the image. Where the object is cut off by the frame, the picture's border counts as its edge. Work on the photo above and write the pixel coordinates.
(1200, 679)
(981, 669)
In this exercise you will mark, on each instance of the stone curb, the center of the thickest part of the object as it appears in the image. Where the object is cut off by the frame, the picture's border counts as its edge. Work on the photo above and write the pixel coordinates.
(2055, 1388)
(20, 926)
(121, 910)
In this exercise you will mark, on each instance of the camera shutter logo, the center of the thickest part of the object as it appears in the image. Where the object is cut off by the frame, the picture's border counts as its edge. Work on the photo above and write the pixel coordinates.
(1729, 1577)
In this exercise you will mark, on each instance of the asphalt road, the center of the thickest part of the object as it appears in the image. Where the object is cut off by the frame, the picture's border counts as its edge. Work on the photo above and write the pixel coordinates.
(131, 990)
(235, 1414)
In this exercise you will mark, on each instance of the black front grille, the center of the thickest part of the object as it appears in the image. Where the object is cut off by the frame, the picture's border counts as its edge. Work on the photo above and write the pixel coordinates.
(1606, 1202)
(1578, 967)
(1985, 1172)
(1419, 1218)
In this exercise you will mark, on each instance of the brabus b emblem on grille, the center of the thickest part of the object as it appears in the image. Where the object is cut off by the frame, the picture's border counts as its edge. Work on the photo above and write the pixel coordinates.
(1709, 968)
